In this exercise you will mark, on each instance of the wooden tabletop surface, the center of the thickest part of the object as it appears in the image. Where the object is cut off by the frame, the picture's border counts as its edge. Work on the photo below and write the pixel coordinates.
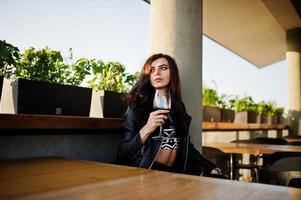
(224, 126)
(250, 148)
(74, 179)
(293, 139)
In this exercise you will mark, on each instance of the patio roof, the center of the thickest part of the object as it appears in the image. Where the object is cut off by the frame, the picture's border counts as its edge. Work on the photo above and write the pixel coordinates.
(253, 29)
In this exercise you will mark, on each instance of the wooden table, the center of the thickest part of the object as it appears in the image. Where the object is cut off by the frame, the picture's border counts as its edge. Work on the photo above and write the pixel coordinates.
(292, 139)
(75, 179)
(250, 148)
(224, 126)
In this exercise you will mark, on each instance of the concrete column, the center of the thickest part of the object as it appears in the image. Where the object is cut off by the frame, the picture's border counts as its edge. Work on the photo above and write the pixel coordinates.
(293, 56)
(176, 29)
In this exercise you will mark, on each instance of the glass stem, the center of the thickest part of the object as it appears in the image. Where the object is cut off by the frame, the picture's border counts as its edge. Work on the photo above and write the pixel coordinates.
(161, 135)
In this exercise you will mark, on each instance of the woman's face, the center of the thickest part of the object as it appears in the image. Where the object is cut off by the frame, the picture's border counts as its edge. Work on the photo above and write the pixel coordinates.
(160, 73)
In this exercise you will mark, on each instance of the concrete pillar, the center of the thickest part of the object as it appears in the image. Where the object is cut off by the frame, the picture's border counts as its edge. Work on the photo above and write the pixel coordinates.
(293, 56)
(176, 29)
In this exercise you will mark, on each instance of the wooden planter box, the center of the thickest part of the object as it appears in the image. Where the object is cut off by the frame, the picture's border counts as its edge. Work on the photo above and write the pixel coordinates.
(268, 119)
(272, 119)
(227, 115)
(107, 104)
(113, 105)
(211, 114)
(282, 120)
(1, 86)
(245, 117)
(37, 97)
(264, 119)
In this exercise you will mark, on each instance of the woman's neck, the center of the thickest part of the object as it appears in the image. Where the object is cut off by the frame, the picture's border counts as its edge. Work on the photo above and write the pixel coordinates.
(162, 92)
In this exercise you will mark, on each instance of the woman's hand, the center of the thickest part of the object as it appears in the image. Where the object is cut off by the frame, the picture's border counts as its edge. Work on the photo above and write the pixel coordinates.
(155, 119)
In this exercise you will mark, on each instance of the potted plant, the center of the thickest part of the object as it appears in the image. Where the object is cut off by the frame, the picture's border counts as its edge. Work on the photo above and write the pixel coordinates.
(108, 81)
(263, 110)
(282, 116)
(211, 111)
(245, 109)
(39, 85)
(279, 112)
(111, 82)
(272, 117)
(227, 114)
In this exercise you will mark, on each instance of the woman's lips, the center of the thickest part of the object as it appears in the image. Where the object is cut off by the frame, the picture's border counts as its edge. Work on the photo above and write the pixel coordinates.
(158, 79)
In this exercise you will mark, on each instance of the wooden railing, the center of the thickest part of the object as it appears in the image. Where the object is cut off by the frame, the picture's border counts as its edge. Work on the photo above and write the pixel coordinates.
(63, 136)
(20, 121)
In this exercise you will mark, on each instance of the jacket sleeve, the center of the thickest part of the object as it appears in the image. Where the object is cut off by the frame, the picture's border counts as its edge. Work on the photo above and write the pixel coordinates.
(131, 144)
(197, 164)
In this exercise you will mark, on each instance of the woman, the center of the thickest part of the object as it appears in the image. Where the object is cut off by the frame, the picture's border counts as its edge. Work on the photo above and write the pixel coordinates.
(142, 145)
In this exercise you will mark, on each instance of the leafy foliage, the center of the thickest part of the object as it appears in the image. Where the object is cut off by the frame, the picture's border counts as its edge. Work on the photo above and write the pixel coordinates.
(223, 101)
(48, 65)
(279, 111)
(243, 104)
(42, 65)
(266, 107)
(110, 76)
(79, 71)
(210, 97)
(9, 56)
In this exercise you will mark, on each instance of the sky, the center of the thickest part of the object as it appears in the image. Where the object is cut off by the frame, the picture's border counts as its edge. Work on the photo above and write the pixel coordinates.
(118, 30)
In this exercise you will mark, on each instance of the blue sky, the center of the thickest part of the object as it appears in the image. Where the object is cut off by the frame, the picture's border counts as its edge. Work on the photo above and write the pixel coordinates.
(118, 30)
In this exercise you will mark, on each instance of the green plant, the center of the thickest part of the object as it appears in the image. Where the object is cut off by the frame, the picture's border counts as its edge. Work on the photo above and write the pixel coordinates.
(42, 65)
(266, 107)
(223, 101)
(9, 55)
(210, 97)
(110, 76)
(279, 111)
(243, 104)
(80, 70)
(48, 65)
(263, 108)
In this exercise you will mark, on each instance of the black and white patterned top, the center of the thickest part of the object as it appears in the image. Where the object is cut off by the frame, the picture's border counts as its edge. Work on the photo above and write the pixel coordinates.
(170, 140)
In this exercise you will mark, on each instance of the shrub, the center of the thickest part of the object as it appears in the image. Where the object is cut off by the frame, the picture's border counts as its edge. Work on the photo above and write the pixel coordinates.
(210, 97)
(223, 101)
(266, 107)
(9, 56)
(48, 65)
(243, 104)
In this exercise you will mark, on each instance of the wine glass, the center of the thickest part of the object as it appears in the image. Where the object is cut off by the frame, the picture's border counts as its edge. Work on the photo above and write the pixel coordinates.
(161, 103)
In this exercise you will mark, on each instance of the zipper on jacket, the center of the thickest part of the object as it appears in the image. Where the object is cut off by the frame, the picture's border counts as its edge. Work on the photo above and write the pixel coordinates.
(187, 143)
(156, 155)
(187, 147)
(140, 151)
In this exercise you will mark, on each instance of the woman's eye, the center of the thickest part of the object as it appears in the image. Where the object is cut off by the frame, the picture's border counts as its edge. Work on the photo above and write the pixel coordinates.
(152, 70)
(164, 68)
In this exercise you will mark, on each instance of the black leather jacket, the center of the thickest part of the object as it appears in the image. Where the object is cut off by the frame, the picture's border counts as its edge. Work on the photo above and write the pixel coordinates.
(132, 152)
